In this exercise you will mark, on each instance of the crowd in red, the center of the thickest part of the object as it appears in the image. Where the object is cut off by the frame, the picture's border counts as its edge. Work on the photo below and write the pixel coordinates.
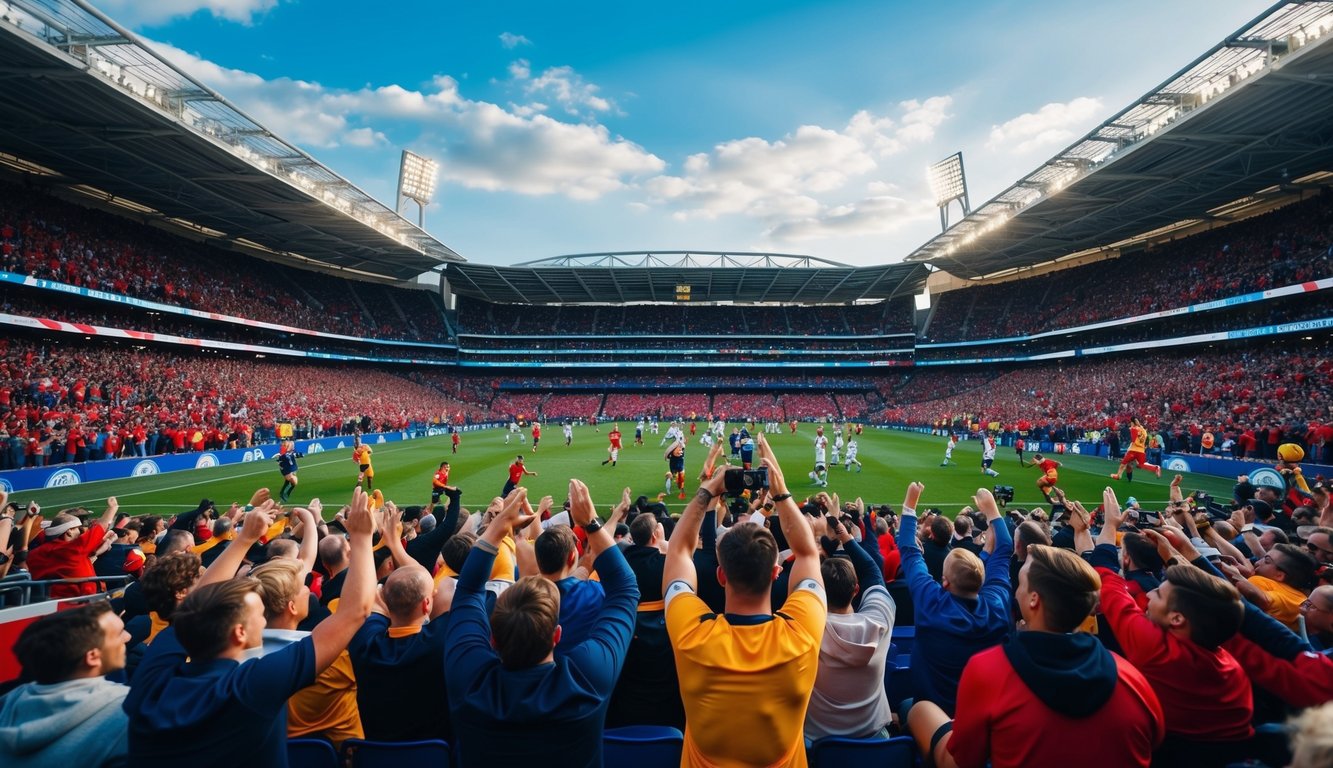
(1226, 389)
(1284, 247)
(47, 238)
(59, 401)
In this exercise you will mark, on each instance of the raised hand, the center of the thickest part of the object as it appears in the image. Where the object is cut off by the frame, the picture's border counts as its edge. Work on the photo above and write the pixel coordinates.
(913, 495)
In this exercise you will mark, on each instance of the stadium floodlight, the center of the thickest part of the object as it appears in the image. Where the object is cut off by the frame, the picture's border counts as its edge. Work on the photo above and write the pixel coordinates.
(949, 183)
(922, 300)
(416, 182)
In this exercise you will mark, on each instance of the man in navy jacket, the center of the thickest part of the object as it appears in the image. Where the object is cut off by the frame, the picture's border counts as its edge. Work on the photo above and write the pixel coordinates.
(516, 702)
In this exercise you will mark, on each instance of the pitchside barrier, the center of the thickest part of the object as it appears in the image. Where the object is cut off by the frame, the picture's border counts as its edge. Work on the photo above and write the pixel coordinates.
(1260, 471)
(61, 475)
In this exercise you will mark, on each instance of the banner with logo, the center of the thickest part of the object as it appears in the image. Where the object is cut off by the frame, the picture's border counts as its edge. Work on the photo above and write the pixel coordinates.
(1260, 472)
(36, 478)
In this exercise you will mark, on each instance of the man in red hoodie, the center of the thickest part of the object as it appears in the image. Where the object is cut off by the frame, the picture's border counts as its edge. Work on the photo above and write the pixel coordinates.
(1049, 695)
(1177, 644)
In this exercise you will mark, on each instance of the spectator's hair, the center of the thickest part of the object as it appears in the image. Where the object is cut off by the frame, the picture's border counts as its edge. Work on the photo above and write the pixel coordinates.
(962, 526)
(405, 589)
(279, 583)
(941, 529)
(881, 526)
(456, 549)
(1299, 566)
(524, 621)
(133, 525)
(282, 548)
(1030, 533)
(150, 523)
(412, 513)
(1067, 584)
(331, 551)
(175, 540)
(964, 571)
(205, 618)
(174, 573)
(1312, 737)
(641, 530)
(1279, 536)
(222, 526)
(553, 547)
(52, 648)
(747, 553)
(1211, 605)
(839, 581)
(1142, 552)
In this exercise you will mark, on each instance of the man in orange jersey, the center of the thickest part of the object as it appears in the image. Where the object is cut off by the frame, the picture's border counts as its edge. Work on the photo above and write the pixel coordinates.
(745, 675)
(1137, 453)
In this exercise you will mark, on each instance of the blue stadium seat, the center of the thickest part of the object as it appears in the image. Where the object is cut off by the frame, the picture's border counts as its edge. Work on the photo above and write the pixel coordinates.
(311, 753)
(903, 638)
(360, 753)
(898, 685)
(837, 751)
(642, 746)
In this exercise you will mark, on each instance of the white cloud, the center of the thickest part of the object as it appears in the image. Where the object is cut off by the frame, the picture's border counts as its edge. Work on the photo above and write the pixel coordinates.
(520, 70)
(567, 88)
(511, 40)
(1055, 124)
(778, 181)
(479, 144)
(139, 12)
(870, 216)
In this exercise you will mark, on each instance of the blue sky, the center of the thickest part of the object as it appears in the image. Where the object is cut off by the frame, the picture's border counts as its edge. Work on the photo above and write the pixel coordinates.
(780, 126)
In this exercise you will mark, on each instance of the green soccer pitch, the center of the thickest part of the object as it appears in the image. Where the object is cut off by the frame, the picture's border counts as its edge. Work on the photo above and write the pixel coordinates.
(403, 472)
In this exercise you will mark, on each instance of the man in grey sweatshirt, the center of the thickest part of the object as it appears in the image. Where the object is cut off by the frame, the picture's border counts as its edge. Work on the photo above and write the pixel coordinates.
(70, 714)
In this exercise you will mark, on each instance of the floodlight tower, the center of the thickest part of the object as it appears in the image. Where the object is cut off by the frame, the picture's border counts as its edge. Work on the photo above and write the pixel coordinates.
(949, 183)
(416, 182)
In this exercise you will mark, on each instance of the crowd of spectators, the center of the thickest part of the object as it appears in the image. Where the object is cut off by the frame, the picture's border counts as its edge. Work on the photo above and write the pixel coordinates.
(1288, 246)
(1112, 635)
(1221, 389)
(632, 405)
(1287, 309)
(47, 238)
(64, 402)
(875, 319)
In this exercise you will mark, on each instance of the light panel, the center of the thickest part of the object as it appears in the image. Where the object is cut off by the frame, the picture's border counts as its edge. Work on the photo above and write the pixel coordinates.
(417, 177)
(946, 179)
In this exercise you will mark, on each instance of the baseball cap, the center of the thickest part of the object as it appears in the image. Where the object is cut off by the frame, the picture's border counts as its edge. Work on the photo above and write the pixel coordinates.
(57, 530)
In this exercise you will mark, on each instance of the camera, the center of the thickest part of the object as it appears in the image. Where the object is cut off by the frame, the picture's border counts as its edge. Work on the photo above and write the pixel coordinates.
(738, 481)
(1003, 494)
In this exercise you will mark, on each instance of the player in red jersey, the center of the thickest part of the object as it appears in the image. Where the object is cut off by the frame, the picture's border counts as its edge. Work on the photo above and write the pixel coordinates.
(439, 481)
(1049, 475)
(456, 440)
(1137, 453)
(613, 450)
(536, 435)
(793, 426)
(516, 473)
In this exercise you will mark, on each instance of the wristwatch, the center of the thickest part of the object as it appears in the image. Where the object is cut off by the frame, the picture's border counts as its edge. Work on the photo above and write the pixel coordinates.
(593, 527)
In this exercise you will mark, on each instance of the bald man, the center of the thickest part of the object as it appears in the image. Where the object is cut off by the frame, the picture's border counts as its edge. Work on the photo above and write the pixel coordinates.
(398, 656)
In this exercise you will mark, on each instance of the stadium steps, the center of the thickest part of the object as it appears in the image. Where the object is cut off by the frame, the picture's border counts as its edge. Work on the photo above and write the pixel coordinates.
(371, 320)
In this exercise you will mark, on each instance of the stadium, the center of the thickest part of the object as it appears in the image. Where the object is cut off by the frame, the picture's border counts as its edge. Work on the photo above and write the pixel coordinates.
(1123, 360)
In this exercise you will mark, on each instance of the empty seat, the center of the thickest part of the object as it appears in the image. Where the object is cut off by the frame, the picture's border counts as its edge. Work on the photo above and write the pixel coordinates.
(837, 751)
(361, 753)
(311, 753)
(642, 746)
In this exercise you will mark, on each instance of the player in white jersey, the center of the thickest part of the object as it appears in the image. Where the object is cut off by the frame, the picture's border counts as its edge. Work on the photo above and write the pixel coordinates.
(851, 456)
(652, 425)
(706, 438)
(513, 430)
(569, 434)
(948, 450)
(673, 434)
(837, 446)
(988, 455)
(719, 429)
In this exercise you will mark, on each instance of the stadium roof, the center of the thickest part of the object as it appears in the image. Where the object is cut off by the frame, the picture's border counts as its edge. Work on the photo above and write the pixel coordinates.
(657, 276)
(94, 110)
(1253, 114)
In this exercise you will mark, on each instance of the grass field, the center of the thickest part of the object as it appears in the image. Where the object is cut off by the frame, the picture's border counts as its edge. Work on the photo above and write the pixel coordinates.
(403, 471)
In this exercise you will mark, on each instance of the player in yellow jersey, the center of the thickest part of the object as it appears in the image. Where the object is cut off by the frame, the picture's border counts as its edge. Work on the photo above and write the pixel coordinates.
(1137, 453)
(361, 457)
(745, 675)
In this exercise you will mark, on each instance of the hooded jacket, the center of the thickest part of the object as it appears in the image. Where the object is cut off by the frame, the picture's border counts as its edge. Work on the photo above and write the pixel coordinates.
(848, 697)
(77, 722)
(1054, 699)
